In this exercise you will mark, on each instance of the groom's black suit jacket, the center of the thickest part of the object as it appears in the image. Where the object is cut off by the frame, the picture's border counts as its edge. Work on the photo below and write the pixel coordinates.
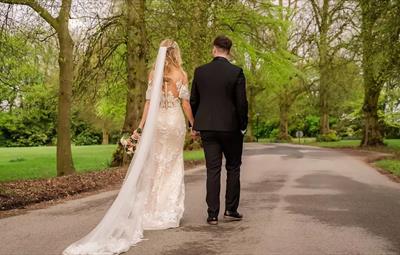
(218, 97)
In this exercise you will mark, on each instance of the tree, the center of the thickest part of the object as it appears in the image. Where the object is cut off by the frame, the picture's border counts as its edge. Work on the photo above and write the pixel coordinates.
(18, 69)
(115, 54)
(333, 18)
(261, 48)
(291, 79)
(65, 61)
(136, 62)
(380, 30)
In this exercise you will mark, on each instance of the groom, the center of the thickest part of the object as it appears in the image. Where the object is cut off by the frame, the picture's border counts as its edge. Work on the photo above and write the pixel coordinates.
(219, 105)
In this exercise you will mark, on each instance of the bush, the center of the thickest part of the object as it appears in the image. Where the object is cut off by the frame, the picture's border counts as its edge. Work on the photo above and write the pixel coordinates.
(264, 128)
(21, 129)
(274, 133)
(331, 136)
(83, 133)
(32, 121)
(311, 126)
(87, 138)
(392, 131)
(114, 137)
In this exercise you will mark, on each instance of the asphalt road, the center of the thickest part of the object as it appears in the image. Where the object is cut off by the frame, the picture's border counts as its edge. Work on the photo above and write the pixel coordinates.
(295, 200)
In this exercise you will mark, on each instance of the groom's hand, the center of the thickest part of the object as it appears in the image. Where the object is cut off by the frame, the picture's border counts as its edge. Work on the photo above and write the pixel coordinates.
(195, 134)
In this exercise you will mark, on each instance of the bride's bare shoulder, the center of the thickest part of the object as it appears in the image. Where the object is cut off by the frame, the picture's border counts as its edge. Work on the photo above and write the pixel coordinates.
(178, 75)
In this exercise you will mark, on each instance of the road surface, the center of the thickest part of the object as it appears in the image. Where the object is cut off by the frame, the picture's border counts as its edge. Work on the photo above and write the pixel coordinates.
(295, 200)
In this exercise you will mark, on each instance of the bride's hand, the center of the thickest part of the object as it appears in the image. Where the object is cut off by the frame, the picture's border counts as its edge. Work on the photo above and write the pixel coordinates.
(135, 135)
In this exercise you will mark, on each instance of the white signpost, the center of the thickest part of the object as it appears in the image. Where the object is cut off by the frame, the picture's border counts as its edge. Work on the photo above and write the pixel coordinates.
(299, 134)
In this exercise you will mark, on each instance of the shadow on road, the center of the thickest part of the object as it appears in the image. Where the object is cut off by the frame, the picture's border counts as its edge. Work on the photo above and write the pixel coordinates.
(373, 208)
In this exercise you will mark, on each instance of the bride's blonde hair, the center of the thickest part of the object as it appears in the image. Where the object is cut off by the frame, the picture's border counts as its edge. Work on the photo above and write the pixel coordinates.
(173, 59)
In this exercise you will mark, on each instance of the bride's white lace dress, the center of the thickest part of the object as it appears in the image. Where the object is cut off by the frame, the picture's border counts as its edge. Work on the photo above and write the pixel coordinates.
(164, 207)
(152, 195)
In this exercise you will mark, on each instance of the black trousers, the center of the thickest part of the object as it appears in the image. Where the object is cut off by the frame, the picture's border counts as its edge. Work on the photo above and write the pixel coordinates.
(216, 144)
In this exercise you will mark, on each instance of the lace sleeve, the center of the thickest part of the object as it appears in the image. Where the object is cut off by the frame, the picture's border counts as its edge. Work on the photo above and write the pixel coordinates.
(148, 91)
(184, 92)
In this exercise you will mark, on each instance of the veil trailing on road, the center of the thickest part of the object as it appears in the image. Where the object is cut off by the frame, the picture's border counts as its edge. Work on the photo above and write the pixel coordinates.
(122, 225)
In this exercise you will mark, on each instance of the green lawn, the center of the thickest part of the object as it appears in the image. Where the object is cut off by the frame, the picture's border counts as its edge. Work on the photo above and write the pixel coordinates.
(40, 162)
(194, 155)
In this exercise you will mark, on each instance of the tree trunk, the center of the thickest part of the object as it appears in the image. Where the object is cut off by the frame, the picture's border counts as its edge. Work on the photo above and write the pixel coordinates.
(136, 63)
(372, 135)
(106, 136)
(251, 99)
(324, 111)
(323, 95)
(200, 27)
(284, 108)
(198, 33)
(64, 155)
(324, 70)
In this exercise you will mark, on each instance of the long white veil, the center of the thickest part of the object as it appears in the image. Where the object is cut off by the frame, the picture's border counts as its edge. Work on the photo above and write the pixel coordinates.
(121, 226)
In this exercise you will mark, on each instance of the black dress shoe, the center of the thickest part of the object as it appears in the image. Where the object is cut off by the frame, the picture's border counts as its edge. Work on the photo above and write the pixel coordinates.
(212, 220)
(233, 216)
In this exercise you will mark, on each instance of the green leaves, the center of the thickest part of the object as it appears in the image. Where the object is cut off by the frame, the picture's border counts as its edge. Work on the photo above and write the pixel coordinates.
(19, 69)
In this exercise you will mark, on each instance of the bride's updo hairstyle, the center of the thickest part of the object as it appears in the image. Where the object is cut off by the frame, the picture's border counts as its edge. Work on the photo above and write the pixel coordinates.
(173, 58)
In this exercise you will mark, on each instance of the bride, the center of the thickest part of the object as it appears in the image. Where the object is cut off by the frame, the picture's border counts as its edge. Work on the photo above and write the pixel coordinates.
(152, 193)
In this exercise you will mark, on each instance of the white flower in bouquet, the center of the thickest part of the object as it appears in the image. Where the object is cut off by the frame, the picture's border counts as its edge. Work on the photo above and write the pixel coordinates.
(129, 142)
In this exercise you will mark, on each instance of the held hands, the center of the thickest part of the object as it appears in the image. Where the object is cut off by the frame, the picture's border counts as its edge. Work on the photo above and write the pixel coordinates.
(195, 134)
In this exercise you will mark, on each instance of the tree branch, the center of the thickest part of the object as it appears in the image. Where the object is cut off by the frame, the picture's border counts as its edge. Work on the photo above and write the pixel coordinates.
(317, 13)
(65, 10)
(36, 7)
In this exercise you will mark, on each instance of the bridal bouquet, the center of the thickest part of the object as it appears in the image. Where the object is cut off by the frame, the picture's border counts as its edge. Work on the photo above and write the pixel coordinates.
(129, 143)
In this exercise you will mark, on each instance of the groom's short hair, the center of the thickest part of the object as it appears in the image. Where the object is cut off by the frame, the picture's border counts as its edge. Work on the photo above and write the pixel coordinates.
(223, 42)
